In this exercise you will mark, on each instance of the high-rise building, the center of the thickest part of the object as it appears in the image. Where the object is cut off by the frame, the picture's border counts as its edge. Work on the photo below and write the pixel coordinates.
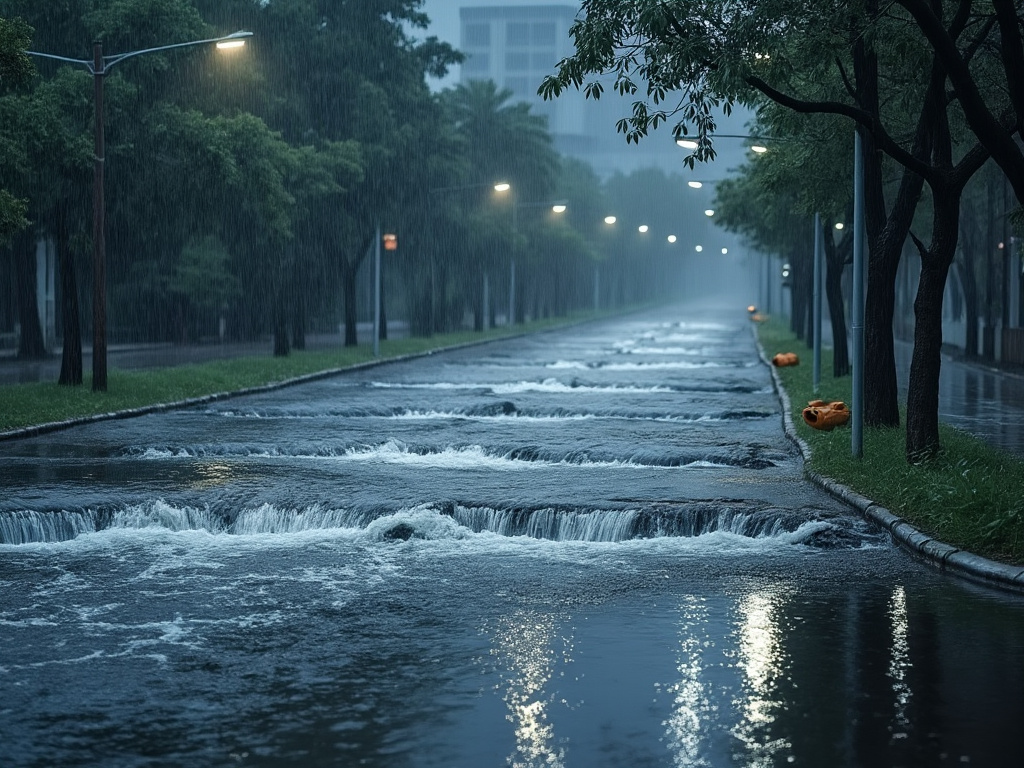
(516, 45)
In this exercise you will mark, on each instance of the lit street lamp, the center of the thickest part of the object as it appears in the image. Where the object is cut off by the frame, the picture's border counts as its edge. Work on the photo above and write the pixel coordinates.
(99, 67)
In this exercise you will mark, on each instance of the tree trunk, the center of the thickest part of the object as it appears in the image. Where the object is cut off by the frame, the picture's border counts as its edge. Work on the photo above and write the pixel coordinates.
(298, 301)
(923, 394)
(71, 355)
(835, 262)
(348, 288)
(970, 238)
(970, 288)
(31, 345)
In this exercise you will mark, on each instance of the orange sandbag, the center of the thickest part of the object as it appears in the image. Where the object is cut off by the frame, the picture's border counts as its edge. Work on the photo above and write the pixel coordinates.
(826, 415)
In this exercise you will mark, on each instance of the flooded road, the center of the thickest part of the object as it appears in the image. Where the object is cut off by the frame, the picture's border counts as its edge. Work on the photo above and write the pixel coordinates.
(589, 547)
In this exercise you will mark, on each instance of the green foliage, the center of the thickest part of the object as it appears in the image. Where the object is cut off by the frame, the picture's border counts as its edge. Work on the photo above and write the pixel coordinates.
(15, 70)
(969, 496)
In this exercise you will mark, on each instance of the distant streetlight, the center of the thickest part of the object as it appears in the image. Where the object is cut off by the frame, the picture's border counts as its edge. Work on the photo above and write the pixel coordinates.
(839, 225)
(709, 212)
(503, 186)
(99, 67)
(610, 219)
(672, 238)
(695, 184)
(699, 248)
(643, 228)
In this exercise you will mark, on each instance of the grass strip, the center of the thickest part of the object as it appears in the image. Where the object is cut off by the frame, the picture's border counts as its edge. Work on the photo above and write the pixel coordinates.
(970, 496)
(33, 404)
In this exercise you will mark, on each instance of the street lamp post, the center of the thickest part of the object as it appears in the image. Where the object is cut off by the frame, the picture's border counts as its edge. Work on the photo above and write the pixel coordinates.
(556, 206)
(99, 66)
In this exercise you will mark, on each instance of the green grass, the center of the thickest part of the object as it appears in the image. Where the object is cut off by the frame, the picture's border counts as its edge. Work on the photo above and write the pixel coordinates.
(970, 496)
(26, 405)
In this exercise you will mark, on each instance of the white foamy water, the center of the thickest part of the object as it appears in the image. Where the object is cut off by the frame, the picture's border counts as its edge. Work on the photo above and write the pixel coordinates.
(197, 529)
(549, 386)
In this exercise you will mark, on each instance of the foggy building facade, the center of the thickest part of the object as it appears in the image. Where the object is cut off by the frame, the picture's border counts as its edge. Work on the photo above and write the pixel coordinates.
(516, 46)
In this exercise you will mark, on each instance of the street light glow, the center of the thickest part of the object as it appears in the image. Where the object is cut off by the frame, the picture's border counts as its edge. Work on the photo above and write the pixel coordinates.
(643, 228)
(610, 219)
(725, 251)
(699, 248)
(558, 208)
(671, 238)
(694, 184)
(709, 212)
(502, 186)
(839, 225)
(686, 143)
(226, 44)
(759, 149)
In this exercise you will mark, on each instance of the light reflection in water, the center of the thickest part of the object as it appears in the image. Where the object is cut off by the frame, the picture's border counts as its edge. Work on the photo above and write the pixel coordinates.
(524, 644)
(688, 724)
(899, 661)
(762, 661)
(212, 475)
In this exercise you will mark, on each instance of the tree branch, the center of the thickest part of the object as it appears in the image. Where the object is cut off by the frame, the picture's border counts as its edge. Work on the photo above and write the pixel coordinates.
(986, 127)
(859, 116)
(1012, 49)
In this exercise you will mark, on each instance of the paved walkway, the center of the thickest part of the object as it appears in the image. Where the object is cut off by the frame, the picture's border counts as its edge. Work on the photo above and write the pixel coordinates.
(977, 398)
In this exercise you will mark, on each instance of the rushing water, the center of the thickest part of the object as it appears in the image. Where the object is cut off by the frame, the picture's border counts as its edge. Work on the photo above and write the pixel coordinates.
(591, 547)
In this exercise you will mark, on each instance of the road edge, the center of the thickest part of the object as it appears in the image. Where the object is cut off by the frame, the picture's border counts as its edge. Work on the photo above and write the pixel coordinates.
(128, 413)
(945, 557)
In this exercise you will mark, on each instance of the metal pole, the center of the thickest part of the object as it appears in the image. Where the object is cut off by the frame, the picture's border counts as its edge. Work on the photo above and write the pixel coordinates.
(819, 252)
(376, 296)
(512, 269)
(487, 302)
(857, 324)
(99, 245)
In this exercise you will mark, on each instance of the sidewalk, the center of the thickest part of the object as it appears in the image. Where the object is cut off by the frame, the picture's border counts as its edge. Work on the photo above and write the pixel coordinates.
(162, 355)
(977, 398)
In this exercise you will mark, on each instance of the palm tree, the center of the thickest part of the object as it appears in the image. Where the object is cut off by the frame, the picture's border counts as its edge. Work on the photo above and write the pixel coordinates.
(501, 141)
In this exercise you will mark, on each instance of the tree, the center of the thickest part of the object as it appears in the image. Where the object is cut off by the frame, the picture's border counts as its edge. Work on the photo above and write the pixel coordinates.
(501, 141)
(716, 53)
(351, 72)
(15, 72)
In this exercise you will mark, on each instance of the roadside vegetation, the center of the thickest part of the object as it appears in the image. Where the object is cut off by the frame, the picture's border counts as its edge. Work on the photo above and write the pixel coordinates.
(969, 495)
(27, 405)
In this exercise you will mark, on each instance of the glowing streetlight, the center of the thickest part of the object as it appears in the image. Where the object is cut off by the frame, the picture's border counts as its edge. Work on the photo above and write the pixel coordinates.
(502, 186)
(839, 225)
(558, 208)
(699, 248)
(643, 228)
(671, 238)
(709, 212)
(610, 219)
(98, 67)
(758, 148)
(695, 184)
(725, 251)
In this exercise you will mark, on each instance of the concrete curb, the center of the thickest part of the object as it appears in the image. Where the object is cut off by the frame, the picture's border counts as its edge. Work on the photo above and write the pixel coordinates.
(946, 558)
(55, 426)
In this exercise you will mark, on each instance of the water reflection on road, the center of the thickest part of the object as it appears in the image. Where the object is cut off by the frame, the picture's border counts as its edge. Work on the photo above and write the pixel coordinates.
(590, 548)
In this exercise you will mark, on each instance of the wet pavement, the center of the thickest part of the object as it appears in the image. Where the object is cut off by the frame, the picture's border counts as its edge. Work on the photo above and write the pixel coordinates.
(589, 548)
(980, 399)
